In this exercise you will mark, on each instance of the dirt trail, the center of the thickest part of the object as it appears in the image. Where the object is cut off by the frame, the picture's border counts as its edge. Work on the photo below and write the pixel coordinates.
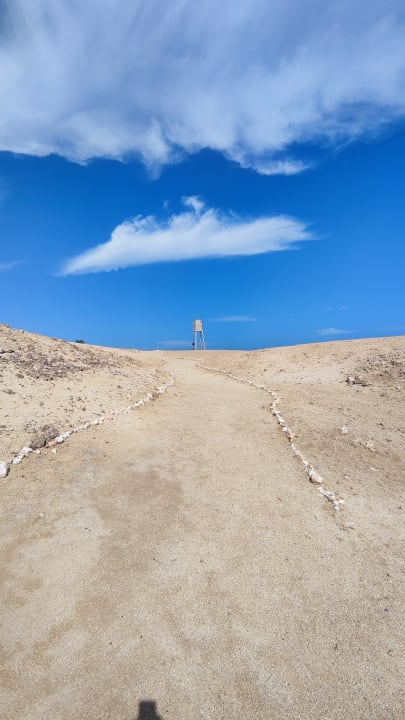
(180, 555)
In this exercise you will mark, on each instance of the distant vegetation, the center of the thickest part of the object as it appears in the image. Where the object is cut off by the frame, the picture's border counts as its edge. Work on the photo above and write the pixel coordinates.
(80, 341)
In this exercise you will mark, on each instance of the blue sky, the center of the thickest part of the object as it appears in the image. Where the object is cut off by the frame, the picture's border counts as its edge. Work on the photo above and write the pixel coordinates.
(242, 164)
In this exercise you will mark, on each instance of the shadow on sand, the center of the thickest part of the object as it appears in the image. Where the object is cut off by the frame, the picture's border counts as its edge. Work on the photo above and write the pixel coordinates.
(147, 711)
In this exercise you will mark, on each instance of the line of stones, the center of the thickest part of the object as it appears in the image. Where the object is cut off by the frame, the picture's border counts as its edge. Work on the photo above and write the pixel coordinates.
(25, 451)
(312, 474)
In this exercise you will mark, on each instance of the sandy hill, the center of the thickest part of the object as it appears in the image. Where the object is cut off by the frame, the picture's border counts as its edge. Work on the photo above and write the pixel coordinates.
(344, 402)
(49, 385)
(202, 535)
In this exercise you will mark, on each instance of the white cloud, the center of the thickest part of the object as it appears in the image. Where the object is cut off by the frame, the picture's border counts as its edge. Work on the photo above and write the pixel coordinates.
(235, 319)
(193, 233)
(275, 167)
(175, 344)
(194, 202)
(249, 79)
(4, 266)
(323, 332)
(337, 309)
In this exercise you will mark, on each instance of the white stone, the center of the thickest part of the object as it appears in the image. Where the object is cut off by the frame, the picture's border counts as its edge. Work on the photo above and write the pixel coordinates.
(314, 476)
(26, 451)
(4, 469)
(328, 494)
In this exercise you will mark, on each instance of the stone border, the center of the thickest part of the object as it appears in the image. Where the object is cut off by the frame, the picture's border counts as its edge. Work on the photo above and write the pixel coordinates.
(312, 474)
(25, 451)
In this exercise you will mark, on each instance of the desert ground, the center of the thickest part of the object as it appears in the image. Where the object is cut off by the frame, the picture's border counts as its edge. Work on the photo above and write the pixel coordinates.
(202, 535)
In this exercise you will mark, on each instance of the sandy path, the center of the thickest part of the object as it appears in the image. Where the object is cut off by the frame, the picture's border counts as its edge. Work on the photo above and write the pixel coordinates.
(182, 557)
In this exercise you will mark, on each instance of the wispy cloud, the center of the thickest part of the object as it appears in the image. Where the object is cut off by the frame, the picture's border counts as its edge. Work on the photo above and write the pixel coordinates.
(4, 266)
(235, 319)
(324, 332)
(275, 167)
(392, 328)
(175, 344)
(249, 80)
(336, 309)
(193, 202)
(191, 234)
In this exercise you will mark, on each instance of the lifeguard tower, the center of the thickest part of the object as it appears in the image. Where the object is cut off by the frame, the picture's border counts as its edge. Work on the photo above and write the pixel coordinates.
(198, 335)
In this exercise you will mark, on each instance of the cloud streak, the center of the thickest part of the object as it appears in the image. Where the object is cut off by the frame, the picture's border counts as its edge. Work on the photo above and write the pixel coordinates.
(336, 309)
(328, 332)
(195, 233)
(5, 266)
(247, 79)
(174, 344)
(235, 319)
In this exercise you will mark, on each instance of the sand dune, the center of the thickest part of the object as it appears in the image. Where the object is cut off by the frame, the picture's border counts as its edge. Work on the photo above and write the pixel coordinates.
(344, 402)
(178, 551)
(51, 383)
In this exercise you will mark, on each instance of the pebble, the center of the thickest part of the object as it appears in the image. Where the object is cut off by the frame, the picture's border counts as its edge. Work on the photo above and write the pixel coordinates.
(314, 476)
(26, 451)
(4, 469)
(370, 446)
(356, 380)
(343, 430)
